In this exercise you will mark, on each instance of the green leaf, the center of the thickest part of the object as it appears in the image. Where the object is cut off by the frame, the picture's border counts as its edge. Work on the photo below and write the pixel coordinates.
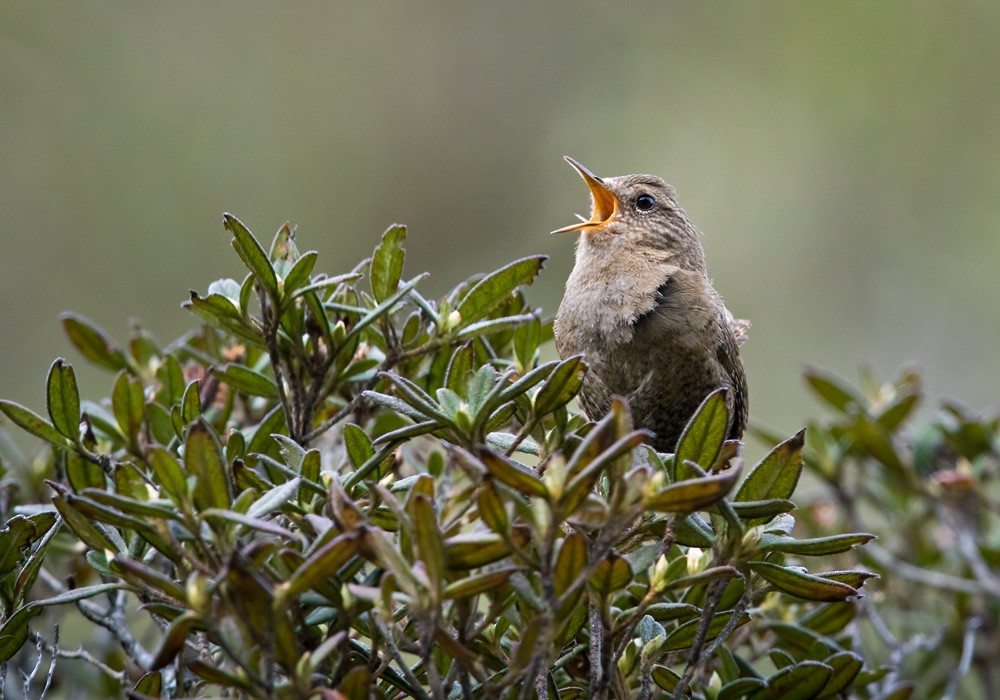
(846, 665)
(191, 403)
(319, 566)
(561, 386)
(15, 539)
(359, 445)
(203, 460)
(272, 500)
(703, 436)
(252, 254)
(33, 423)
(512, 473)
(611, 574)
(527, 338)
(167, 472)
(802, 585)
(173, 640)
(459, 368)
(387, 262)
(681, 637)
(14, 631)
(800, 681)
(247, 521)
(494, 289)
(819, 546)
(776, 475)
(93, 343)
(428, 541)
(128, 405)
(63, 400)
(481, 583)
(299, 274)
(246, 380)
(693, 494)
(834, 390)
(570, 562)
(492, 510)
(471, 551)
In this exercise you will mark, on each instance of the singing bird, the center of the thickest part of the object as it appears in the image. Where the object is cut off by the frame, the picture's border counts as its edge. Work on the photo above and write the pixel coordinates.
(640, 308)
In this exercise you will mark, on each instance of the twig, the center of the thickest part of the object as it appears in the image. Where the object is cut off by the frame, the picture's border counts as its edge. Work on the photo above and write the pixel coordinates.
(79, 653)
(404, 668)
(968, 646)
(712, 597)
(935, 579)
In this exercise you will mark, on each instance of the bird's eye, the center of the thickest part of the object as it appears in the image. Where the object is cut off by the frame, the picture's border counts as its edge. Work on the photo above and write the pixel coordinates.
(645, 202)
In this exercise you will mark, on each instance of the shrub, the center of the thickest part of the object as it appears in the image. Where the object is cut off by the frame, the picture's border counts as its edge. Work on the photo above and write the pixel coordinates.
(337, 488)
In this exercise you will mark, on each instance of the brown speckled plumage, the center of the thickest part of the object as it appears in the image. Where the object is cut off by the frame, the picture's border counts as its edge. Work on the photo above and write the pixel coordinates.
(640, 308)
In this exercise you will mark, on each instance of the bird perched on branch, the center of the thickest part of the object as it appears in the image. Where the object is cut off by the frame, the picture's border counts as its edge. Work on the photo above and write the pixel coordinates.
(640, 308)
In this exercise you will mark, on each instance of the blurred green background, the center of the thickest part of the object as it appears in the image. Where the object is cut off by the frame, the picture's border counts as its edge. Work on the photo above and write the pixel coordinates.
(842, 158)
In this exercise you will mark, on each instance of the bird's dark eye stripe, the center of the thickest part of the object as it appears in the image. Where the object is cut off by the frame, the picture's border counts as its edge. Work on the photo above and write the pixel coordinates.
(645, 202)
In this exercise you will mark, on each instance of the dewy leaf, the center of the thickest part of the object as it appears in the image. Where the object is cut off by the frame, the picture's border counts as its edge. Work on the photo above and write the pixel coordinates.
(252, 254)
(93, 343)
(63, 399)
(203, 459)
(33, 423)
(703, 436)
(387, 262)
(494, 289)
(802, 585)
(560, 386)
(776, 475)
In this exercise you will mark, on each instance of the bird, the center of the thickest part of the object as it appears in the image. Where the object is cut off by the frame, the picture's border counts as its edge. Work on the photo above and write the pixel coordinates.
(641, 310)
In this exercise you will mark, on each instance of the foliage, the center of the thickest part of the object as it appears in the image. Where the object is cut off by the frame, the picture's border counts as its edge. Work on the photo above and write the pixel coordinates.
(932, 495)
(336, 487)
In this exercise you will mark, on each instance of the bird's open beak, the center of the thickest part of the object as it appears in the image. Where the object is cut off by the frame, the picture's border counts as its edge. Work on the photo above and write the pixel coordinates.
(605, 203)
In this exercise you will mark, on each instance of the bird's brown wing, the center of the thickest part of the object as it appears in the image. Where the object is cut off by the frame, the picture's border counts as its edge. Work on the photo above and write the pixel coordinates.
(728, 353)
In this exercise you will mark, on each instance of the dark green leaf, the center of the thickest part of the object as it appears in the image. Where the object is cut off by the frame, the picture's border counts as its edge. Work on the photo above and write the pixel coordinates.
(14, 631)
(570, 562)
(481, 583)
(693, 494)
(428, 540)
(33, 423)
(359, 445)
(818, 546)
(682, 636)
(252, 254)
(846, 665)
(560, 386)
(802, 585)
(246, 380)
(63, 400)
(203, 460)
(832, 389)
(319, 566)
(93, 343)
(703, 436)
(513, 474)
(611, 574)
(387, 262)
(800, 681)
(776, 475)
(173, 640)
(128, 405)
(299, 273)
(494, 289)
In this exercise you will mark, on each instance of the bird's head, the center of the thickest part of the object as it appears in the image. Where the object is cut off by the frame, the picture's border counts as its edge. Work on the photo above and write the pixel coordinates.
(640, 211)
